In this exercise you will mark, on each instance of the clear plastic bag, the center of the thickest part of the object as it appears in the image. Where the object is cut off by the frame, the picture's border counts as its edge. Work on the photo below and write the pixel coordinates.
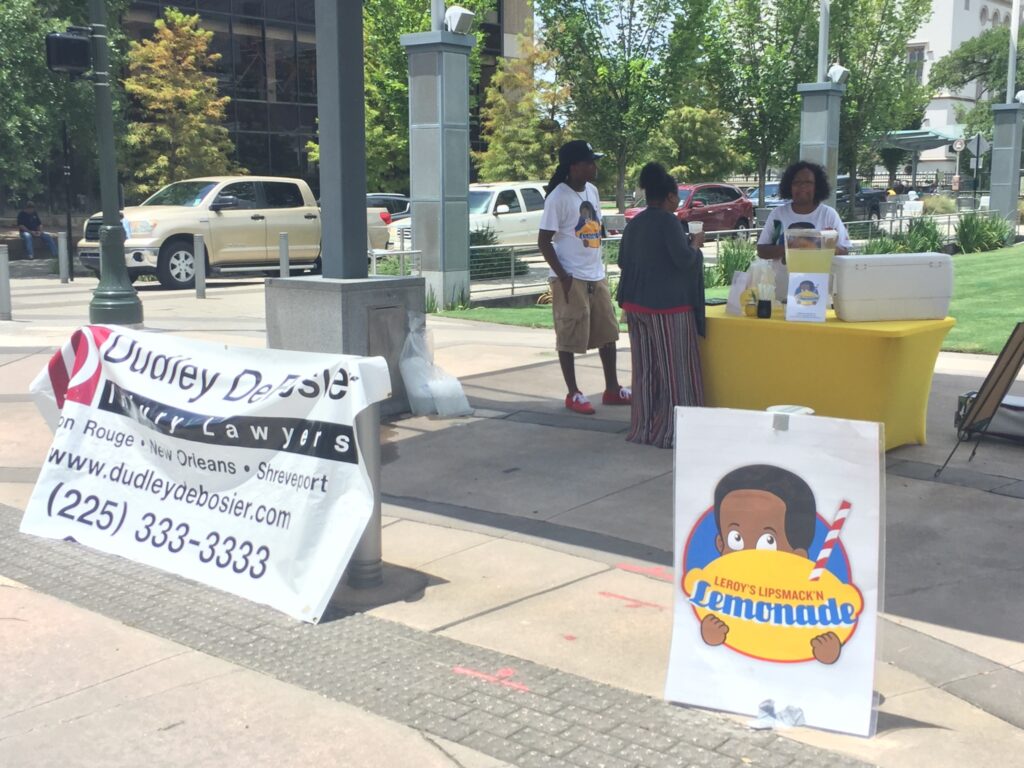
(416, 365)
(429, 388)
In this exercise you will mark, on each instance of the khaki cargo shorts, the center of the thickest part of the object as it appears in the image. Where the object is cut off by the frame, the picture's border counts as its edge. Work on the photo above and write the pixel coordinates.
(587, 320)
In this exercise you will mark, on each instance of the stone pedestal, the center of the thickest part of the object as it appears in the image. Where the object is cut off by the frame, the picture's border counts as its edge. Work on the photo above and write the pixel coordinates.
(365, 316)
(819, 128)
(1006, 144)
(439, 160)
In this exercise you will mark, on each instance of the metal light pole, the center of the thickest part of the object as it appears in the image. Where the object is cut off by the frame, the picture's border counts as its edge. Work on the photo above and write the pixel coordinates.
(823, 21)
(1011, 75)
(67, 201)
(820, 109)
(114, 300)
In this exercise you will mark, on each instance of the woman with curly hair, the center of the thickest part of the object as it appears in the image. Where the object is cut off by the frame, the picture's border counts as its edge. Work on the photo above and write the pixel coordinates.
(806, 186)
(661, 290)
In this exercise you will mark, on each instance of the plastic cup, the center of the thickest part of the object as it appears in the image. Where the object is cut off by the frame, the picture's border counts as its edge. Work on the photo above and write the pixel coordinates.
(695, 227)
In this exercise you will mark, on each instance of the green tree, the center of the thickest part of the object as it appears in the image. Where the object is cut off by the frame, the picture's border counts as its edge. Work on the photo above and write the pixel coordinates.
(386, 85)
(757, 54)
(37, 103)
(27, 119)
(983, 59)
(178, 127)
(870, 37)
(612, 57)
(520, 119)
(696, 144)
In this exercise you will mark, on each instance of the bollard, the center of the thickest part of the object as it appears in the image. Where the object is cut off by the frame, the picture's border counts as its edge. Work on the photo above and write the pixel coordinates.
(5, 285)
(282, 254)
(366, 568)
(62, 255)
(199, 262)
(512, 269)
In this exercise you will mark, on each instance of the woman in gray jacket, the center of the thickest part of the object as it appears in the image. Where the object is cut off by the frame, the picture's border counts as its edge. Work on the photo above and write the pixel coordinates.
(661, 290)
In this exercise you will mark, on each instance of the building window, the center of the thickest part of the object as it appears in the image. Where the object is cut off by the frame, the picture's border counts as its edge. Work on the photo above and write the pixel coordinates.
(915, 58)
(250, 59)
(984, 14)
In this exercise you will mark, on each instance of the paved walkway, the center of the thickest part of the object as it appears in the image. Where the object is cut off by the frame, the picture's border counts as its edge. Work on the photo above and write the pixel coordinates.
(542, 636)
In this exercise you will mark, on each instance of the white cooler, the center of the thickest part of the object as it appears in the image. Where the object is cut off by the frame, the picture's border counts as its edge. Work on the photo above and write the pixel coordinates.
(892, 286)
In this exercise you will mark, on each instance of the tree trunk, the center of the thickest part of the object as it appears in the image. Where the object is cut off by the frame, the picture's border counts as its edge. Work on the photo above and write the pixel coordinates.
(762, 172)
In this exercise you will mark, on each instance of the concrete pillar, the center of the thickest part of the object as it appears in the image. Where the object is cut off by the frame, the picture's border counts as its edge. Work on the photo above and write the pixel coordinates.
(342, 130)
(1006, 145)
(439, 159)
(819, 127)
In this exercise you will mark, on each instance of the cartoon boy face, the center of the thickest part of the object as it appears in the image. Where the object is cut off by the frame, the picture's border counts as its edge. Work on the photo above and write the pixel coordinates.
(753, 519)
(765, 507)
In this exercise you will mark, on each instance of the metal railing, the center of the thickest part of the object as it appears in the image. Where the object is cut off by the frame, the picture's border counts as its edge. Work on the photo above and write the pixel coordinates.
(401, 262)
(510, 270)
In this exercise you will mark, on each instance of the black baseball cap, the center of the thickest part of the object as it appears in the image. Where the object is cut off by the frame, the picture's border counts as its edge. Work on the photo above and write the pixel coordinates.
(578, 151)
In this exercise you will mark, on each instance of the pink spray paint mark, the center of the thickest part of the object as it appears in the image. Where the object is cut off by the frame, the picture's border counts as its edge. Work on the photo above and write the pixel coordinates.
(632, 602)
(655, 572)
(498, 678)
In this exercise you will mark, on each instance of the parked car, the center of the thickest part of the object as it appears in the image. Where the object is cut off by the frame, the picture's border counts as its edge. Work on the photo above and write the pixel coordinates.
(719, 206)
(239, 217)
(396, 205)
(510, 209)
(867, 202)
(771, 196)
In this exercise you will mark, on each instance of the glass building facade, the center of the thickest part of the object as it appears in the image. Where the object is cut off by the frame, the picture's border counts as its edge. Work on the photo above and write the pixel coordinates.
(268, 68)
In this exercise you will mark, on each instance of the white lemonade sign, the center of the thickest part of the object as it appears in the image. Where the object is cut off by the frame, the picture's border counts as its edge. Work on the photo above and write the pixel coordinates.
(777, 522)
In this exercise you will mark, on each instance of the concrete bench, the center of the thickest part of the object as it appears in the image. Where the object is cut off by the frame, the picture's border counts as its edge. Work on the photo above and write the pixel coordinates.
(15, 248)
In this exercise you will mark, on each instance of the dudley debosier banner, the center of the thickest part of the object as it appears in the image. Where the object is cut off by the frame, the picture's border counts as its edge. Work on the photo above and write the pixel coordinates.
(777, 563)
(238, 468)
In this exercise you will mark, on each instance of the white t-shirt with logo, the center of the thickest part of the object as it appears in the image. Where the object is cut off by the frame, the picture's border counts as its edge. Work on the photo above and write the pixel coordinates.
(575, 218)
(784, 217)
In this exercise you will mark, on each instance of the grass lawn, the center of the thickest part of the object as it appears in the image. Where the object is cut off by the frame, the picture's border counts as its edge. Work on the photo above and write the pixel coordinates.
(988, 300)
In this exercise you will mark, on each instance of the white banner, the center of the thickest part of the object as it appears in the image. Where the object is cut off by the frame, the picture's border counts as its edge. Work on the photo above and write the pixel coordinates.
(238, 468)
(777, 530)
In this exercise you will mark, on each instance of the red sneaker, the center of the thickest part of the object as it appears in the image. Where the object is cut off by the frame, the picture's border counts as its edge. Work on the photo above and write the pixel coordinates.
(623, 397)
(578, 403)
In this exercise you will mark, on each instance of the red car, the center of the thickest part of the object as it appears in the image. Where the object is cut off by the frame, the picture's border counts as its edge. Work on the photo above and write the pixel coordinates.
(719, 206)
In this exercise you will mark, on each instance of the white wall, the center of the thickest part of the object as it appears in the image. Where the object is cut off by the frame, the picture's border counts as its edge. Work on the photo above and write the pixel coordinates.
(952, 23)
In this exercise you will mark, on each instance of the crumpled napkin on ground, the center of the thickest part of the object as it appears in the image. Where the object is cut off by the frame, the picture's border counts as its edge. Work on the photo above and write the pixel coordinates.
(768, 719)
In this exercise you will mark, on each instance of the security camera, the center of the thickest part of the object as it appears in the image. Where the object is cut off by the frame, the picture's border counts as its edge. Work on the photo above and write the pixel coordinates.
(838, 74)
(1019, 98)
(458, 19)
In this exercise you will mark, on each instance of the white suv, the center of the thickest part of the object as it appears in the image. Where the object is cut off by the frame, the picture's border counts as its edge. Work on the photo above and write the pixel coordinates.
(511, 209)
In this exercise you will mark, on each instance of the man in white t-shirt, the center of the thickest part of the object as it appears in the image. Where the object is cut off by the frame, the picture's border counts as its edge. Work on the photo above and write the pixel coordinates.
(570, 241)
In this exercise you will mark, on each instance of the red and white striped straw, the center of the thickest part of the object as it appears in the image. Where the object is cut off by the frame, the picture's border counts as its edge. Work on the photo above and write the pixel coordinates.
(830, 540)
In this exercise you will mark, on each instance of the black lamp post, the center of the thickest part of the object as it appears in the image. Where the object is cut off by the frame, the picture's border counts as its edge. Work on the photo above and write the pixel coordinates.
(114, 300)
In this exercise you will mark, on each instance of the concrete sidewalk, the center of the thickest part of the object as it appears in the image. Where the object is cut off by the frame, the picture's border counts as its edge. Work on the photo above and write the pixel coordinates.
(537, 581)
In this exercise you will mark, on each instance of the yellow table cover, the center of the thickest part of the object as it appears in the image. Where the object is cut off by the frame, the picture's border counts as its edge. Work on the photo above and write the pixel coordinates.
(879, 371)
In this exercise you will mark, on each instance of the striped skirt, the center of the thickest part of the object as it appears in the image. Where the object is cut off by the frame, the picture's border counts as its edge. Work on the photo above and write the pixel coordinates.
(666, 373)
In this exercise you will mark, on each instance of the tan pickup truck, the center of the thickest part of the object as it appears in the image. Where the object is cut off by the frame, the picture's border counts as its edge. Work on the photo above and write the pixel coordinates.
(240, 218)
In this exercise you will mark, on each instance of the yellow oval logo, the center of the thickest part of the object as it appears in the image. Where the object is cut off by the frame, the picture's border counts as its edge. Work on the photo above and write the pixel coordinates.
(763, 604)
